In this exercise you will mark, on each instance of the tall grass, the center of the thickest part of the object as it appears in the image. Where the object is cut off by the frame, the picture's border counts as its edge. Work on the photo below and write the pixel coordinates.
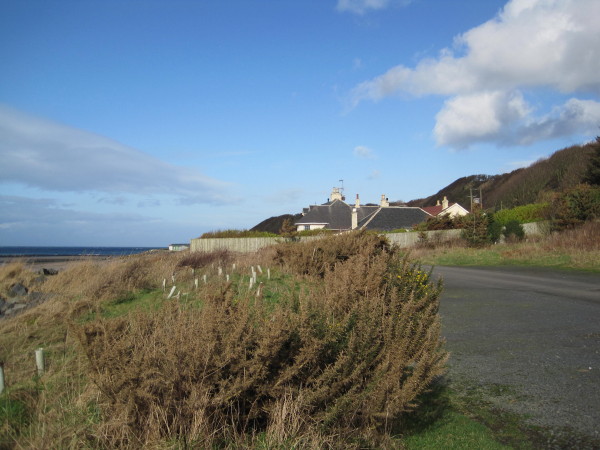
(332, 351)
(577, 248)
(350, 353)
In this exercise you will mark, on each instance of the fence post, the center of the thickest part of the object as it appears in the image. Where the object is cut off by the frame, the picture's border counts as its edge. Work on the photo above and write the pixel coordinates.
(39, 360)
(1, 378)
(172, 292)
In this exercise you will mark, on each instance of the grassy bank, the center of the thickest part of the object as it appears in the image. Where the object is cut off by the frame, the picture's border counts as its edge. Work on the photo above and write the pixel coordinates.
(332, 345)
(572, 249)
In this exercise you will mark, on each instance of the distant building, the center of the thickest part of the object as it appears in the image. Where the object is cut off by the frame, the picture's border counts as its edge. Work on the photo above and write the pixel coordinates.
(178, 247)
(338, 215)
(446, 208)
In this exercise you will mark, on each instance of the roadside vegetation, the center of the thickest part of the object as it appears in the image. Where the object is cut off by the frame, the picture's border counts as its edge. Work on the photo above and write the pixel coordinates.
(335, 344)
(570, 235)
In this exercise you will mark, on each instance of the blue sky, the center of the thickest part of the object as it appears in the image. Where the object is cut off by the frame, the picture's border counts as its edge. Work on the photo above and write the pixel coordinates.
(148, 122)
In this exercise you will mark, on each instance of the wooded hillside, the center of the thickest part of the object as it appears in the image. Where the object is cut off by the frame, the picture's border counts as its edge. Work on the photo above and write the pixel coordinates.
(564, 169)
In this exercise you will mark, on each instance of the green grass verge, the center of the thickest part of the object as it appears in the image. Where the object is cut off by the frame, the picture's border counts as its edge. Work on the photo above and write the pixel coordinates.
(454, 431)
(508, 256)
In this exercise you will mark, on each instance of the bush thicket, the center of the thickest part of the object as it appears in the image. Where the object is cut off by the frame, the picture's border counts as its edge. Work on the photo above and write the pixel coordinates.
(346, 349)
(533, 212)
(574, 206)
(513, 230)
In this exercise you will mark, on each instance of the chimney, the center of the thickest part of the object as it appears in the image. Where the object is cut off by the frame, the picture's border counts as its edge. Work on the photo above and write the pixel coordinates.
(384, 201)
(357, 203)
(445, 203)
(354, 219)
(336, 194)
(437, 203)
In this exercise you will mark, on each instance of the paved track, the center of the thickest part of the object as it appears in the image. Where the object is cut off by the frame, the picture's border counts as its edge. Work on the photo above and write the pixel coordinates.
(530, 335)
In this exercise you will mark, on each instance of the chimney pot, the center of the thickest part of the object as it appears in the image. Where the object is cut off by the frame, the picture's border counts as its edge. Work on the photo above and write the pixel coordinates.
(384, 201)
(354, 219)
(445, 202)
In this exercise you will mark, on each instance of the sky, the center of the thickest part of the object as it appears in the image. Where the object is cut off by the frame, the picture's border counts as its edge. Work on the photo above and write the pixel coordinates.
(150, 122)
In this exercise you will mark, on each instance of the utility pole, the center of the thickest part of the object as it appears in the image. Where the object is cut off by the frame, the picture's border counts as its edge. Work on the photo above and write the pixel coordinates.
(471, 197)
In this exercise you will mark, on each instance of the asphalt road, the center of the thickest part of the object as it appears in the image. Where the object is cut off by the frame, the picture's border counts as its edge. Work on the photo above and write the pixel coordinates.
(529, 336)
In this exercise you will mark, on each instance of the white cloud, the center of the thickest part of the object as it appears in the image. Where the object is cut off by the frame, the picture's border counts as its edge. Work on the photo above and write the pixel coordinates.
(530, 44)
(505, 118)
(361, 151)
(51, 156)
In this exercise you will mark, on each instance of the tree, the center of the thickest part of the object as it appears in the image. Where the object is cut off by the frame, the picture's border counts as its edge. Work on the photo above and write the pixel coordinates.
(287, 228)
(592, 175)
(514, 230)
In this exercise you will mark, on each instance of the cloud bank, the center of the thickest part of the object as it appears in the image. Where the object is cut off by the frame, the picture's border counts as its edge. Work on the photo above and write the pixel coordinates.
(51, 156)
(531, 44)
(47, 222)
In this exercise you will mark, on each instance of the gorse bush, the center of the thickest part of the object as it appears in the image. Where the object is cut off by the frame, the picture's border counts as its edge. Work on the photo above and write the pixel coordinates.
(198, 260)
(318, 257)
(348, 347)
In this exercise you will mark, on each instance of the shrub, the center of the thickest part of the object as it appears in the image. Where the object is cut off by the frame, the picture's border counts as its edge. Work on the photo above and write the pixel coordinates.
(494, 230)
(318, 232)
(197, 260)
(475, 230)
(575, 206)
(533, 212)
(351, 348)
(319, 256)
(513, 230)
(444, 222)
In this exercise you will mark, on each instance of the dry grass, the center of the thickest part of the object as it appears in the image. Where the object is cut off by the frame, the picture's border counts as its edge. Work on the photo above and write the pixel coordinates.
(577, 248)
(329, 357)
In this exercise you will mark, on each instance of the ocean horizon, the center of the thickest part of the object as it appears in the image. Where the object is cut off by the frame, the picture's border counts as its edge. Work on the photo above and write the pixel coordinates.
(72, 251)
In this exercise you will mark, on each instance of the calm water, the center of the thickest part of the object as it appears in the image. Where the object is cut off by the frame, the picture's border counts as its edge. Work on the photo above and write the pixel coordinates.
(72, 251)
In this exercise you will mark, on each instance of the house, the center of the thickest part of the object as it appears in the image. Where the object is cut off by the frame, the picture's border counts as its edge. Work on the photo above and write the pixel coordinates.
(445, 208)
(178, 247)
(338, 215)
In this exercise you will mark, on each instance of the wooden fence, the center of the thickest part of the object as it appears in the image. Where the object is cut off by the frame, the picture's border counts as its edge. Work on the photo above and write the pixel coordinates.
(403, 240)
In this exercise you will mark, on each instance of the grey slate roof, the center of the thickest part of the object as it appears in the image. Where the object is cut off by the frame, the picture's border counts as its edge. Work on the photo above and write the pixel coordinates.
(392, 218)
(337, 215)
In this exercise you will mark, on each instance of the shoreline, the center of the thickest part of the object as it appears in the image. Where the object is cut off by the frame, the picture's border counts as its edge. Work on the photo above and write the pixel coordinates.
(57, 262)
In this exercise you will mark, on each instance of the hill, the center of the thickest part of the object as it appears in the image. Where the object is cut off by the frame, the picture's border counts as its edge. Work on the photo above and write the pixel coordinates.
(563, 169)
(274, 224)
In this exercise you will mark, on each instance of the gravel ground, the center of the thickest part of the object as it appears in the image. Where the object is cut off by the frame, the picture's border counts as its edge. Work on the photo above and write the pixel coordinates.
(530, 338)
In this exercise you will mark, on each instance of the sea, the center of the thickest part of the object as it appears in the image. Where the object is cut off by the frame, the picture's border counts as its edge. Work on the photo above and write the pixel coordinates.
(73, 251)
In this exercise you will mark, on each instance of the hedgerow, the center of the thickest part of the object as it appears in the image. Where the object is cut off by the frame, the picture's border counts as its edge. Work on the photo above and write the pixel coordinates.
(533, 212)
(221, 234)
